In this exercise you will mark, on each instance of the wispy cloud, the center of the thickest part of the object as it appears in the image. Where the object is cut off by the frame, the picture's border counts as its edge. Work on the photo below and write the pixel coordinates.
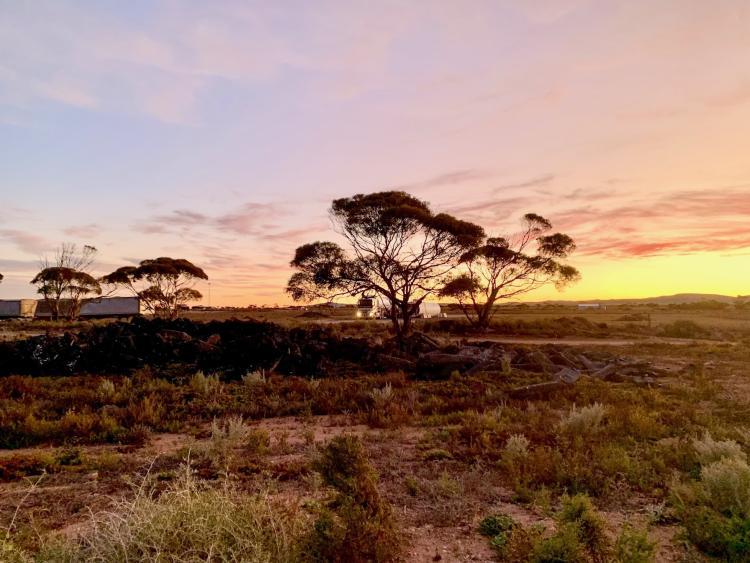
(25, 241)
(451, 178)
(87, 231)
(251, 218)
(688, 221)
(292, 235)
(493, 209)
(19, 266)
(538, 182)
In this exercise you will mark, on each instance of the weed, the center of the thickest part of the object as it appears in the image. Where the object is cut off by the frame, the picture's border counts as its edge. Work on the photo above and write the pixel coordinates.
(23, 465)
(727, 539)
(684, 329)
(516, 448)
(585, 420)
(709, 450)
(309, 436)
(727, 485)
(448, 487)
(203, 384)
(257, 441)
(254, 377)
(69, 457)
(225, 437)
(564, 546)
(282, 443)
(189, 522)
(496, 524)
(437, 454)
(357, 525)
(578, 512)
(106, 390)
(413, 487)
(634, 546)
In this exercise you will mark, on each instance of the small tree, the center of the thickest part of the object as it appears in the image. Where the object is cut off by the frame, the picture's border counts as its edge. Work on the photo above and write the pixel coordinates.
(401, 251)
(65, 281)
(502, 268)
(163, 285)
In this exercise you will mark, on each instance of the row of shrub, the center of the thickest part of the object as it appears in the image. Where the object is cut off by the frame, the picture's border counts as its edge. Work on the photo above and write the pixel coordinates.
(580, 535)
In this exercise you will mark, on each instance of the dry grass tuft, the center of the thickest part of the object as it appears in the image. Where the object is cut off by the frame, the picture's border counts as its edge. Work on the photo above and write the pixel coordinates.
(189, 523)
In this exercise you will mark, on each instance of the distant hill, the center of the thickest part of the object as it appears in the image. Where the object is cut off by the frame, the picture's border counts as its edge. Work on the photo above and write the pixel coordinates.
(661, 300)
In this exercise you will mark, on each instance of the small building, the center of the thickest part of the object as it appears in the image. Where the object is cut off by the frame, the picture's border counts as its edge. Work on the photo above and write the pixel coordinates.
(590, 306)
(17, 308)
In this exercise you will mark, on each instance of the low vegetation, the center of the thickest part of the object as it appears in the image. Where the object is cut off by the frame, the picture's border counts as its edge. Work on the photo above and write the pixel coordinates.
(381, 466)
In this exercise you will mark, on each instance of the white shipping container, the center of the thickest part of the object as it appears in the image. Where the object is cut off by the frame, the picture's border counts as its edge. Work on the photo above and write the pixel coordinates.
(111, 307)
(15, 308)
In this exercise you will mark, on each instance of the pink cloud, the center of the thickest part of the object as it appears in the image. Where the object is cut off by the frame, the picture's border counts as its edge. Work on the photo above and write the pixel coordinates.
(83, 231)
(25, 241)
(682, 222)
(250, 219)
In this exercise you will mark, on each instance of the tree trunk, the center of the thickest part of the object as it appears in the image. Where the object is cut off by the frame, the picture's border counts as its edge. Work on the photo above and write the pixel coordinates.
(483, 318)
(393, 315)
(406, 316)
(406, 326)
(484, 315)
(54, 309)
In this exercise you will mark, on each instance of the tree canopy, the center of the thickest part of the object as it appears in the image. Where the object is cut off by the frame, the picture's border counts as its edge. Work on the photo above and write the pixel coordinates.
(398, 249)
(502, 268)
(163, 284)
(65, 281)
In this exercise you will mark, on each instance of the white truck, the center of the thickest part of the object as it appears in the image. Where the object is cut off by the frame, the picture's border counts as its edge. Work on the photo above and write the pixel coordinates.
(378, 307)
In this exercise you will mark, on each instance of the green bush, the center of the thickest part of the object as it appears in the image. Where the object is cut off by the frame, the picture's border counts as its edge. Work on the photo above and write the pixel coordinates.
(23, 465)
(634, 546)
(683, 329)
(579, 512)
(437, 454)
(357, 524)
(10, 553)
(580, 535)
(563, 547)
(496, 524)
(714, 534)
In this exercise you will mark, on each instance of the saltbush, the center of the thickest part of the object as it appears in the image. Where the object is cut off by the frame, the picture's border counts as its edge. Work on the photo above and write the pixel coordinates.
(709, 450)
(585, 420)
(727, 485)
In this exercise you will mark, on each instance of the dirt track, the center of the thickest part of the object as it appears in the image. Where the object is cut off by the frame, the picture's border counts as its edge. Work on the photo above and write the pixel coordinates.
(585, 341)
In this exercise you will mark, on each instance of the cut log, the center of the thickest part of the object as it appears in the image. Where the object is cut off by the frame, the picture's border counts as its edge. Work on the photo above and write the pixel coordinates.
(436, 365)
(568, 375)
(605, 372)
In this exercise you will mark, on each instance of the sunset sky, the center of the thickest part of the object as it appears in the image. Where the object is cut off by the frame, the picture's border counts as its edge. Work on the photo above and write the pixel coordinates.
(220, 131)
